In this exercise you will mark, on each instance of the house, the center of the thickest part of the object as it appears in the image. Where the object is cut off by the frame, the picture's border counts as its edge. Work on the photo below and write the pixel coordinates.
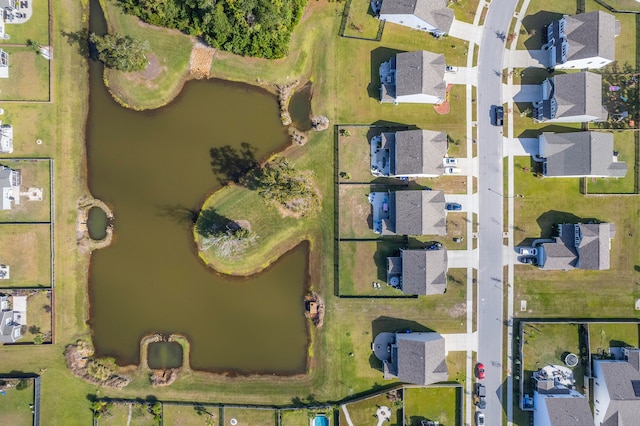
(410, 153)
(411, 212)
(6, 138)
(579, 154)
(417, 358)
(556, 405)
(570, 98)
(413, 77)
(10, 181)
(421, 272)
(586, 40)
(616, 389)
(13, 315)
(4, 64)
(425, 15)
(578, 246)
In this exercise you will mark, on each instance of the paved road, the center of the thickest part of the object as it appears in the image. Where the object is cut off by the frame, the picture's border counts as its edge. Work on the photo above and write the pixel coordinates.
(490, 205)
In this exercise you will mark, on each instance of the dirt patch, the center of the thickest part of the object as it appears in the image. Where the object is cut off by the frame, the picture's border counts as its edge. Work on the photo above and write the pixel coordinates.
(149, 74)
(200, 60)
(314, 308)
(163, 377)
(79, 359)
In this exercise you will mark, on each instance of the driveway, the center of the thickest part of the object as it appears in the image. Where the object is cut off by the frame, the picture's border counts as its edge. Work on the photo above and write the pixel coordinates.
(521, 147)
(462, 258)
(468, 202)
(465, 31)
(525, 93)
(463, 75)
(527, 59)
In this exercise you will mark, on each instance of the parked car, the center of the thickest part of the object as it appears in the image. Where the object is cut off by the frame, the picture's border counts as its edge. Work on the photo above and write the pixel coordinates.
(528, 251)
(453, 206)
(529, 260)
(458, 239)
(448, 161)
(481, 403)
(451, 170)
(479, 418)
(433, 245)
(498, 115)
(450, 68)
(481, 390)
(480, 371)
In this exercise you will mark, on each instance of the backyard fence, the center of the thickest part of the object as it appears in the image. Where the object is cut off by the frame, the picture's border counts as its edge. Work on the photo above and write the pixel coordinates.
(345, 22)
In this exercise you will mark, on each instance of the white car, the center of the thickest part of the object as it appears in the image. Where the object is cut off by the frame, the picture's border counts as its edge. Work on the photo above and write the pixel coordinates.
(479, 418)
(451, 170)
(451, 68)
(528, 251)
(448, 161)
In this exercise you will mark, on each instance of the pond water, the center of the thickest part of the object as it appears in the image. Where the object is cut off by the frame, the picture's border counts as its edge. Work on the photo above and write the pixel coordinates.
(154, 170)
(97, 223)
(300, 108)
(163, 355)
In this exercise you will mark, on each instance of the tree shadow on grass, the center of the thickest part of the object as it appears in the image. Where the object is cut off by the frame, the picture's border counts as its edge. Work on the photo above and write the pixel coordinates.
(80, 39)
(231, 164)
(210, 221)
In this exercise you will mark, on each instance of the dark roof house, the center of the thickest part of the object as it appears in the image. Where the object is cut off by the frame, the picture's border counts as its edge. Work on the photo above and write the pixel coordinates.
(579, 154)
(578, 246)
(616, 391)
(425, 15)
(586, 40)
(409, 153)
(421, 272)
(413, 77)
(572, 98)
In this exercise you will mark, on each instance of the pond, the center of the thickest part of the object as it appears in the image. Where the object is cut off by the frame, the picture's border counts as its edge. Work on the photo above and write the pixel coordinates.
(300, 108)
(97, 223)
(154, 170)
(162, 355)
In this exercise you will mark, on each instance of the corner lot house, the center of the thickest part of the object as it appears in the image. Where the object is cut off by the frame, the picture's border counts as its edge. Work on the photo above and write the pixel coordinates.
(421, 272)
(570, 98)
(616, 394)
(412, 212)
(410, 153)
(578, 246)
(579, 154)
(556, 405)
(13, 315)
(426, 15)
(10, 181)
(586, 40)
(417, 358)
(413, 77)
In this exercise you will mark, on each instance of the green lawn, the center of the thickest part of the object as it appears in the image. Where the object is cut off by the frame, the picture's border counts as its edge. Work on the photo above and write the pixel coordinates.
(36, 28)
(434, 403)
(250, 417)
(363, 413)
(28, 76)
(29, 267)
(362, 263)
(178, 415)
(465, 10)
(14, 404)
(119, 415)
(355, 211)
(302, 417)
(35, 174)
(602, 336)
(361, 22)
(625, 144)
(38, 315)
(539, 14)
(31, 122)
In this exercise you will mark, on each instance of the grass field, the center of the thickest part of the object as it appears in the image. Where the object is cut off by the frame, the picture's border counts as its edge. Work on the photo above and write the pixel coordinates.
(363, 413)
(28, 76)
(602, 336)
(29, 267)
(36, 28)
(35, 174)
(625, 144)
(30, 122)
(539, 14)
(14, 405)
(361, 21)
(465, 10)
(435, 403)
(121, 412)
(250, 417)
(178, 415)
(302, 417)
(38, 315)
(355, 211)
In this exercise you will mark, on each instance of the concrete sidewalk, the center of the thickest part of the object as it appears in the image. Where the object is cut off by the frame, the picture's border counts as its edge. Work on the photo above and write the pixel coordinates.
(465, 31)
(461, 342)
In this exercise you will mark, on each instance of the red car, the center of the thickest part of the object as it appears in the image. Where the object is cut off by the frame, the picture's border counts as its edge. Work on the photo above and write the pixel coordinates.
(480, 370)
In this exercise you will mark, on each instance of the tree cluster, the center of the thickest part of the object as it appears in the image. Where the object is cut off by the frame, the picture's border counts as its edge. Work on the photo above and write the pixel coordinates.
(231, 242)
(280, 183)
(122, 53)
(260, 28)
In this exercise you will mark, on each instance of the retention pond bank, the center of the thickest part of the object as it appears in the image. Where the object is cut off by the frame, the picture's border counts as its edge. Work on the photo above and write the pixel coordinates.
(154, 170)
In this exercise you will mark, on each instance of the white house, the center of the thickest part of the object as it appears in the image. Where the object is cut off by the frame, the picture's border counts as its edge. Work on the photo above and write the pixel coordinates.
(586, 40)
(425, 15)
(10, 181)
(556, 405)
(616, 392)
(6, 138)
(4, 64)
(413, 77)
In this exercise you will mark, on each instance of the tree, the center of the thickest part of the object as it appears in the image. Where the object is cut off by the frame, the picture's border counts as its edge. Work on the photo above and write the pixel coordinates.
(122, 53)
(230, 242)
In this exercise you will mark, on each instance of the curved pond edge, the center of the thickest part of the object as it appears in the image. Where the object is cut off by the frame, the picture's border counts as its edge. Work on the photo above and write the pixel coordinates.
(85, 242)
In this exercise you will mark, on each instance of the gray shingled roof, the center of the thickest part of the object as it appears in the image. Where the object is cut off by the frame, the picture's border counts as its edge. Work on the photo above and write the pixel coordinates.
(624, 406)
(580, 154)
(579, 94)
(591, 253)
(421, 358)
(419, 152)
(434, 12)
(420, 72)
(569, 411)
(591, 35)
(417, 212)
(424, 272)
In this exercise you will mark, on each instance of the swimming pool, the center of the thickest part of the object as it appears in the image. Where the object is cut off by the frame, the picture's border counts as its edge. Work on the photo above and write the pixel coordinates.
(320, 421)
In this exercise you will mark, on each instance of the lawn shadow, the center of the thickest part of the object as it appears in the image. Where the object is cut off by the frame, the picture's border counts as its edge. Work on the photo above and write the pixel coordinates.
(547, 221)
(80, 39)
(553, 128)
(378, 56)
(231, 164)
(417, 420)
(396, 325)
(210, 221)
(534, 25)
(388, 247)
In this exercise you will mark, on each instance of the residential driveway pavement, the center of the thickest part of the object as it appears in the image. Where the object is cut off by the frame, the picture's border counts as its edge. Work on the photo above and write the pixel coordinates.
(460, 342)
(521, 147)
(462, 258)
(465, 31)
(526, 59)
(463, 75)
(524, 93)
(467, 202)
